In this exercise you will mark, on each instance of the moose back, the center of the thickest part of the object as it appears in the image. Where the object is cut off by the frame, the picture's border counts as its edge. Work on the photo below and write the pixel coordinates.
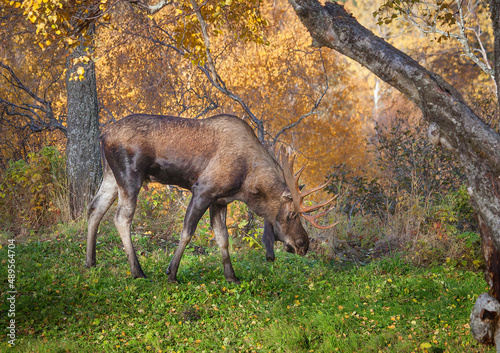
(219, 159)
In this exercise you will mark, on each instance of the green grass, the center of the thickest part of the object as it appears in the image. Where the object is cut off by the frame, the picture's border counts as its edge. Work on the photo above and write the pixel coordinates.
(296, 304)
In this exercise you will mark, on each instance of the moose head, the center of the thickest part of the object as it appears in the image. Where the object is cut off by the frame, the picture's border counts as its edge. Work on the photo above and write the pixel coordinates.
(287, 227)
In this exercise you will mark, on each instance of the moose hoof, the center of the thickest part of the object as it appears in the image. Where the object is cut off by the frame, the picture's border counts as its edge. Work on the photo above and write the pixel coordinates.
(89, 264)
(234, 280)
(138, 274)
(270, 258)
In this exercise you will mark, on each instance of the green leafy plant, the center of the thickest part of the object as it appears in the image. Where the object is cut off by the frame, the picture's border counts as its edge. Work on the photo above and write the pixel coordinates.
(33, 193)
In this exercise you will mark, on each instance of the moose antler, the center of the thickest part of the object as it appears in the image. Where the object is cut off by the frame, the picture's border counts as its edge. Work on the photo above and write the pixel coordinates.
(292, 181)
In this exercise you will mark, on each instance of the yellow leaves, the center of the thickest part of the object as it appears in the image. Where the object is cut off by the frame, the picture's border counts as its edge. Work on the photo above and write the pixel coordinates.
(81, 59)
(32, 17)
(425, 345)
(78, 75)
(40, 27)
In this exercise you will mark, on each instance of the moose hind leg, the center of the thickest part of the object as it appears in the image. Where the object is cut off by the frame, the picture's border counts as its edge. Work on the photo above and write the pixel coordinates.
(123, 219)
(218, 221)
(96, 209)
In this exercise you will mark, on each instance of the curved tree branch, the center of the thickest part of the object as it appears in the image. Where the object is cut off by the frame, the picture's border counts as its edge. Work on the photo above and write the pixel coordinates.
(37, 114)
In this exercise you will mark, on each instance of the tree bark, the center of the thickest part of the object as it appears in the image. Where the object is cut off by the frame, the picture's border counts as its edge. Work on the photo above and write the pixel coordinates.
(495, 20)
(82, 149)
(453, 124)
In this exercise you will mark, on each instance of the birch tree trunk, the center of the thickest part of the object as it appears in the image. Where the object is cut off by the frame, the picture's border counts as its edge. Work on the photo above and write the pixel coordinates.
(82, 149)
(452, 124)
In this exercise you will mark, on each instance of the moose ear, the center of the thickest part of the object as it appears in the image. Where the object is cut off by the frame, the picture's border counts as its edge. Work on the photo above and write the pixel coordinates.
(268, 239)
(287, 195)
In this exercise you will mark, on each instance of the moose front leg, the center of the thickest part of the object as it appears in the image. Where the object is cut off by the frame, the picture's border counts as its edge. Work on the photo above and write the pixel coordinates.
(268, 239)
(218, 221)
(195, 210)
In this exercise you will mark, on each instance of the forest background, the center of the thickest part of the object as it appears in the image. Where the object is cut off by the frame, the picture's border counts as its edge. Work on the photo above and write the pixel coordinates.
(346, 124)
(68, 69)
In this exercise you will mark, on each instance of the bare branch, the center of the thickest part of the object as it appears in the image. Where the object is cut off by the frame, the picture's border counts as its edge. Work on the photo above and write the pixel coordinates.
(209, 69)
(462, 17)
(20, 85)
(313, 109)
(39, 116)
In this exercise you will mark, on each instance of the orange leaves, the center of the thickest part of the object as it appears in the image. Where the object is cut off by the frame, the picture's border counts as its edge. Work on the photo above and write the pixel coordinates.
(61, 22)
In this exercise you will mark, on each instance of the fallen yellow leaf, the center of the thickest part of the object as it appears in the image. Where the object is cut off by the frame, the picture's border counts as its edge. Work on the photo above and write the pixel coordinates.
(425, 345)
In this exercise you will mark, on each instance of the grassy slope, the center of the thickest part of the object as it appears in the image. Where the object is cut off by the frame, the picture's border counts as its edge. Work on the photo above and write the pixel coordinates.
(293, 305)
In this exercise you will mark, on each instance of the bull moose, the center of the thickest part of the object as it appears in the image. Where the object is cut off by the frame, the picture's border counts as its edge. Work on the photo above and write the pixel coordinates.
(219, 159)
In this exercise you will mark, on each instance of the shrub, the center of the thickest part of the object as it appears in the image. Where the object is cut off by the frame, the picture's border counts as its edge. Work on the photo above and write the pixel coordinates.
(417, 201)
(160, 209)
(408, 164)
(33, 193)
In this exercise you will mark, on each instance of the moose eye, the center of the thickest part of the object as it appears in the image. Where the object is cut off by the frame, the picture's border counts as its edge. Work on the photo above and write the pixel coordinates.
(292, 215)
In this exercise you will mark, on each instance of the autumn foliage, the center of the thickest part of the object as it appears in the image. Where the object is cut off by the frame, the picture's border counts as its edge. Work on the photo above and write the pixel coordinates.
(33, 192)
(248, 58)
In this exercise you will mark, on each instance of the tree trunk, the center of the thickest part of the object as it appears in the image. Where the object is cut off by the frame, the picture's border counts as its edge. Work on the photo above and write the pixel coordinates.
(83, 153)
(452, 123)
(495, 20)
